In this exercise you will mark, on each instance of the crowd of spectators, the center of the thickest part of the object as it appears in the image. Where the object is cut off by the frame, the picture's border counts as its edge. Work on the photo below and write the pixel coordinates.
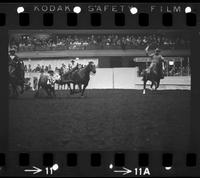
(97, 41)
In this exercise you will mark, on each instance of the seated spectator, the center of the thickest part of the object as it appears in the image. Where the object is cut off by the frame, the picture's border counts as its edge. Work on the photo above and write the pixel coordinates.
(46, 69)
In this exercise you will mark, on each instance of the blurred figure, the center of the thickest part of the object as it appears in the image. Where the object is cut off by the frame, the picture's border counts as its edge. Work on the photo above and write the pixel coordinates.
(35, 83)
(25, 68)
(46, 69)
(38, 68)
(64, 69)
(42, 69)
(49, 67)
(29, 68)
(51, 80)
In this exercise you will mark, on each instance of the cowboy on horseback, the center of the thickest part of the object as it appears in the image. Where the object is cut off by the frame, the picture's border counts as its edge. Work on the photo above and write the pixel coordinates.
(156, 58)
(14, 62)
(16, 71)
(73, 66)
(13, 58)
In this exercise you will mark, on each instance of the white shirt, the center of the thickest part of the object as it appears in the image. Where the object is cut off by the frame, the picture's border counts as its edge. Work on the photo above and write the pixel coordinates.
(12, 57)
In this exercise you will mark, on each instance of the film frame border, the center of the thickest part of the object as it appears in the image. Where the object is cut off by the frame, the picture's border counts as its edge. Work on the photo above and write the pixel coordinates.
(191, 156)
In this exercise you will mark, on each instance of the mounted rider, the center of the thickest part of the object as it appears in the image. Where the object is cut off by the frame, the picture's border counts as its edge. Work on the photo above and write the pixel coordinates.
(73, 65)
(13, 58)
(14, 62)
(156, 58)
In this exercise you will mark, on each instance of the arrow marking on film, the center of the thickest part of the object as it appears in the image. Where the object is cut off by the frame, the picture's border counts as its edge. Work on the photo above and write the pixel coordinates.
(35, 170)
(124, 171)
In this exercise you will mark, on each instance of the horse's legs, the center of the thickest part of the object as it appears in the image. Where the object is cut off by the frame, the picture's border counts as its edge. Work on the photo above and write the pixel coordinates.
(14, 90)
(152, 85)
(15, 93)
(47, 91)
(22, 88)
(74, 85)
(70, 89)
(53, 91)
(83, 90)
(158, 84)
(50, 90)
(144, 87)
(80, 87)
(155, 85)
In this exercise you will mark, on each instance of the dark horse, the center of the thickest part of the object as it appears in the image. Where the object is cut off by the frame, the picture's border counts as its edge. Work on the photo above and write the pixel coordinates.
(65, 79)
(153, 74)
(79, 77)
(16, 78)
(43, 83)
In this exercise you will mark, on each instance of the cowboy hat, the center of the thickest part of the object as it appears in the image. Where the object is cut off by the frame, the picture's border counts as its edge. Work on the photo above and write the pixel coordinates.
(157, 50)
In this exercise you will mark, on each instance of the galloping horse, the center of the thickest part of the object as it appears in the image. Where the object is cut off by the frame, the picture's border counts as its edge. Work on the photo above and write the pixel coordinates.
(16, 78)
(152, 74)
(79, 77)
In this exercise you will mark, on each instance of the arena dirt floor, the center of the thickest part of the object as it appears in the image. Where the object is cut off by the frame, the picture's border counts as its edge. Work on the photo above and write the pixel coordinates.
(102, 120)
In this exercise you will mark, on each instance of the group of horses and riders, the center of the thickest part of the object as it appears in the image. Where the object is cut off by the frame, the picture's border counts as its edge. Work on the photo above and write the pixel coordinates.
(75, 76)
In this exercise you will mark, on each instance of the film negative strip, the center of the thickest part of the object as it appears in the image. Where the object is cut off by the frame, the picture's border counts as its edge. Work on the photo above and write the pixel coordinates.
(99, 89)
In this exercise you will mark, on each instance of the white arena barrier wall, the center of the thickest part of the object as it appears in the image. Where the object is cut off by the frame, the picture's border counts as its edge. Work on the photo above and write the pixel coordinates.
(126, 78)
(103, 79)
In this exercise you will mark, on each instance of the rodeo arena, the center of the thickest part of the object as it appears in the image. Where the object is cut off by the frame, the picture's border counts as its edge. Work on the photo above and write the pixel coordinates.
(98, 90)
